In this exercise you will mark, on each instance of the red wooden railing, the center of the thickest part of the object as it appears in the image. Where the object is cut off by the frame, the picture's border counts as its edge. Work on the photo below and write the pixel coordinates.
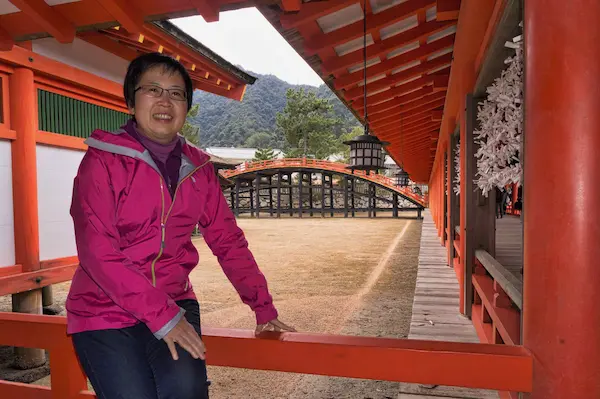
(337, 167)
(498, 367)
(496, 303)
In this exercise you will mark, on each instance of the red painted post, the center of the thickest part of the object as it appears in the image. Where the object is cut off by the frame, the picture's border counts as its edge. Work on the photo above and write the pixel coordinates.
(561, 195)
(450, 235)
(23, 120)
(463, 206)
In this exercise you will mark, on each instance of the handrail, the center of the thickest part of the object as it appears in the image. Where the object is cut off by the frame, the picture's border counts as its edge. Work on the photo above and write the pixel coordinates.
(456, 364)
(320, 164)
(509, 283)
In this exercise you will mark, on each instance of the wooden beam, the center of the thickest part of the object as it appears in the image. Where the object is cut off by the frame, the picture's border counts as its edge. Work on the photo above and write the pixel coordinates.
(411, 141)
(10, 270)
(400, 76)
(20, 57)
(48, 18)
(415, 112)
(423, 130)
(437, 115)
(456, 363)
(157, 36)
(405, 99)
(415, 131)
(431, 100)
(291, 5)
(235, 94)
(378, 98)
(337, 64)
(469, 37)
(440, 82)
(310, 12)
(6, 40)
(351, 79)
(126, 13)
(447, 10)
(112, 46)
(423, 119)
(209, 9)
(374, 22)
(411, 120)
(130, 39)
(37, 279)
(402, 110)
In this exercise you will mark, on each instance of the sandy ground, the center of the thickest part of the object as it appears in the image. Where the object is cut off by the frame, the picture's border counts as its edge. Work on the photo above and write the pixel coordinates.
(342, 276)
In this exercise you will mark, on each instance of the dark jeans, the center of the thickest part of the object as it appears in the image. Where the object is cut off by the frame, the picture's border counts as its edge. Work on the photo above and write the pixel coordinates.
(130, 363)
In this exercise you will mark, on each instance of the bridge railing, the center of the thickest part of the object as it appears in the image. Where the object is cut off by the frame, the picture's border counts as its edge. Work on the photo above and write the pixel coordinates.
(321, 164)
(498, 367)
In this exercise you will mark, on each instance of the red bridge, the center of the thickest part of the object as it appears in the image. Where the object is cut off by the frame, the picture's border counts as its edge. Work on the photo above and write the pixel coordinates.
(298, 164)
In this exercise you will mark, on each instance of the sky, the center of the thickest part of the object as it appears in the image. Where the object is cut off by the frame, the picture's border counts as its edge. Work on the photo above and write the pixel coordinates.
(244, 37)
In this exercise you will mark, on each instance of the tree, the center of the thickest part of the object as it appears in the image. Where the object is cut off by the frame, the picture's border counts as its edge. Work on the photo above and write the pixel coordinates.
(258, 140)
(190, 131)
(356, 131)
(264, 154)
(307, 124)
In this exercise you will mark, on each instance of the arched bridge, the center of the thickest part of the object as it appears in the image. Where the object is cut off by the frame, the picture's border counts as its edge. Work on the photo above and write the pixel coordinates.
(298, 186)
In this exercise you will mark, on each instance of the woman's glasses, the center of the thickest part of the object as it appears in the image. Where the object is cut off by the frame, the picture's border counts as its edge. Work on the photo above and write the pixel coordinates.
(157, 91)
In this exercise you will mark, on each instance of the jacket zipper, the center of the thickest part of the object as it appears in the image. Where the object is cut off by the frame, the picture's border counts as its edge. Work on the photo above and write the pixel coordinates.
(162, 230)
(163, 220)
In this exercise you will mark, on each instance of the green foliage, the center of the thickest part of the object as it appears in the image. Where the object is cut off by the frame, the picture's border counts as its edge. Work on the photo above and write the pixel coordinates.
(307, 124)
(264, 154)
(258, 140)
(356, 131)
(226, 122)
(190, 130)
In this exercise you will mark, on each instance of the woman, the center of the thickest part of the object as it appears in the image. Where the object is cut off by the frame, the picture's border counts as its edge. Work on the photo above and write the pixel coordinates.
(137, 197)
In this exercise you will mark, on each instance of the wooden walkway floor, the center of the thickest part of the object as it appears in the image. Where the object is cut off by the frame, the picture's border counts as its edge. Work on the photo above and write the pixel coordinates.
(509, 244)
(435, 314)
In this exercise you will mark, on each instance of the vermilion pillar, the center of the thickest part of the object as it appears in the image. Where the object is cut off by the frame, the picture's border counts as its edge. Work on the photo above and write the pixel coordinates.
(562, 197)
(23, 120)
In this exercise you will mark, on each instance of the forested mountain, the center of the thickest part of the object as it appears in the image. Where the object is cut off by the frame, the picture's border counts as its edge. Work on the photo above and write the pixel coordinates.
(225, 122)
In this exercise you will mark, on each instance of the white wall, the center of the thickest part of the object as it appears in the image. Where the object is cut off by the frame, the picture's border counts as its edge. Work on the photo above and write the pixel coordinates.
(7, 235)
(85, 56)
(56, 169)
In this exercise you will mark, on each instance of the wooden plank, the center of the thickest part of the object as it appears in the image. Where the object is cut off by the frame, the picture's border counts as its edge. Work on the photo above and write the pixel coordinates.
(509, 244)
(455, 363)
(22, 282)
(435, 313)
(509, 283)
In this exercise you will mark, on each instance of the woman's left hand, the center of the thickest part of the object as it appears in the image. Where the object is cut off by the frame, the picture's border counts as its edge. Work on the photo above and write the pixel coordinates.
(274, 325)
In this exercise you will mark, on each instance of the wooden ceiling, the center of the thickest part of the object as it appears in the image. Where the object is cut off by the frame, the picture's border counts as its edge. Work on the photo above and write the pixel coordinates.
(409, 56)
(409, 51)
(127, 29)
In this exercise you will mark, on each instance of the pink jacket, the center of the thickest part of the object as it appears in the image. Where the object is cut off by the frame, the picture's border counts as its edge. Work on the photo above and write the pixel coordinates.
(134, 242)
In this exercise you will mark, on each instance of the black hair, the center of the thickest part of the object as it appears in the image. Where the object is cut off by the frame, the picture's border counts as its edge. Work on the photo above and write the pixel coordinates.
(141, 64)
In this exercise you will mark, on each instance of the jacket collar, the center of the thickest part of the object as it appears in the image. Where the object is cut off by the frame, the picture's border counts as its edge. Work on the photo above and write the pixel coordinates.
(121, 143)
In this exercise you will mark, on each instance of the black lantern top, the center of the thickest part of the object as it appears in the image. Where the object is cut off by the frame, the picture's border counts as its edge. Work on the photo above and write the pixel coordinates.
(402, 179)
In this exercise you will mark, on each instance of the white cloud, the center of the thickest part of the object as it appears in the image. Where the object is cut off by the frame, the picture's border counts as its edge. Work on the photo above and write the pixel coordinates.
(244, 37)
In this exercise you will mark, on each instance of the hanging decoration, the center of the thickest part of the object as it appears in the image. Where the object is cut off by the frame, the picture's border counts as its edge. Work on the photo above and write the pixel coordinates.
(501, 127)
(366, 150)
(402, 178)
(456, 185)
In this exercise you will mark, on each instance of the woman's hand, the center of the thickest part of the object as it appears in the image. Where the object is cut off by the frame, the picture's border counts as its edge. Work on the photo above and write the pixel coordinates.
(184, 334)
(274, 325)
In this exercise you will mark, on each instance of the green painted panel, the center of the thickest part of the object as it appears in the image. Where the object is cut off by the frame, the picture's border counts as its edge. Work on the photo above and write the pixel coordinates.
(71, 117)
